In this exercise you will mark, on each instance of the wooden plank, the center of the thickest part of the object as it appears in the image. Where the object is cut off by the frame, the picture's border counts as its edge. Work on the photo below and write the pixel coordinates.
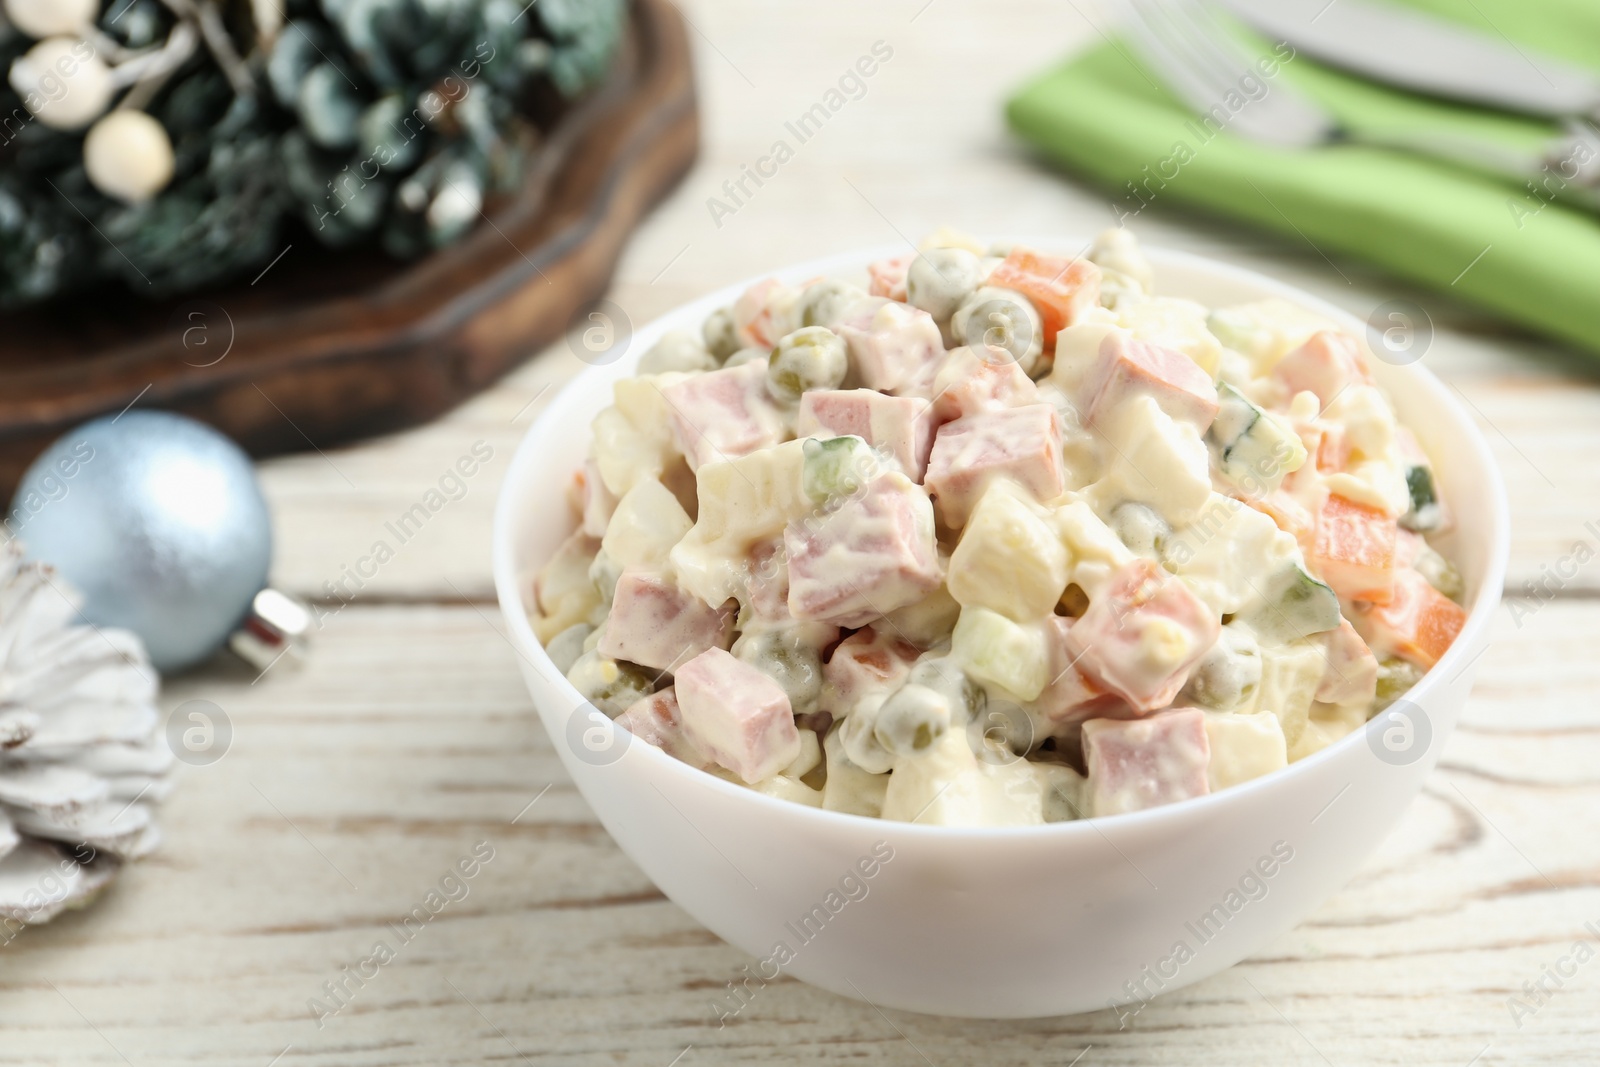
(354, 784)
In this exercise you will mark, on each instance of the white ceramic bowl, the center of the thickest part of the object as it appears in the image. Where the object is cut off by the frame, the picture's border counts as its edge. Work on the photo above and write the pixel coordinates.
(1017, 922)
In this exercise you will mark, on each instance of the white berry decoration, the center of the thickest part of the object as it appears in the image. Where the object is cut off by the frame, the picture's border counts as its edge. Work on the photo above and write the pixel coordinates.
(82, 756)
(63, 82)
(128, 155)
(51, 18)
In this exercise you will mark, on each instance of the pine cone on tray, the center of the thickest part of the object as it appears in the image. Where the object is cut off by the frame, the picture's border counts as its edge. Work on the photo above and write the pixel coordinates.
(81, 755)
(169, 144)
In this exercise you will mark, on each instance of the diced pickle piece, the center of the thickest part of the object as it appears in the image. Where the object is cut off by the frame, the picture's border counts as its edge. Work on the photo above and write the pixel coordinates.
(1290, 675)
(1395, 679)
(738, 715)
(1297, 606)
(610, 685)
(1425, 513)
(1254, 450)
(1145, 763)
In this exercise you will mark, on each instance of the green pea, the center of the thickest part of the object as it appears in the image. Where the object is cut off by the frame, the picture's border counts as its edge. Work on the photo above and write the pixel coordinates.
(813, 357)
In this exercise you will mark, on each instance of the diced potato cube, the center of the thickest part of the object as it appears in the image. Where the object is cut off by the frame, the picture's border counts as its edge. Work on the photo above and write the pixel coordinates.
(1264, 331)
(1243, 747)
(927, 622)
(1419, 624)
(1173, 323)
(656, 624)
(1228, 555)
(1154, 460)
(657, 720)
(644, 526)
(562, 591)
(898, 426)
(1023, 444)
(992, 648)
(1352, 674)
(872, 554)
(1009, 558)
(1354, 550)
(895, 347)
(1327, 363)
(1143, 635)
(595, 502)
(1060, 289)
(741, 502)
(947, 785)
(1129, 368)
(1096, 552)
(1290, 675)
(738, 715)
(1255, 449)
(848, 788)
(1145, 763)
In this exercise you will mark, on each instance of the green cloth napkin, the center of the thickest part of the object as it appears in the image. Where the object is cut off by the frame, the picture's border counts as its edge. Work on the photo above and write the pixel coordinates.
(1482, 239)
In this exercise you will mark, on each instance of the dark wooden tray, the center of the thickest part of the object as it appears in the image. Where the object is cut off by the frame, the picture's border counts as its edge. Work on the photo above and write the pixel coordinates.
(326, 348)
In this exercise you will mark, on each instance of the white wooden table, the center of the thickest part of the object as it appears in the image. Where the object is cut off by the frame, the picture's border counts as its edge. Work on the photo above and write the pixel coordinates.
(353, 784)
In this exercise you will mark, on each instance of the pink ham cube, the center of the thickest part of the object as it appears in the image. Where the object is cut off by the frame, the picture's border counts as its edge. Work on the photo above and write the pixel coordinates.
(1143, 635)
(759, 316)
(657, 720)
(1071, 697)
(980, 378)
(656, 624)
(723, 414)
(865, 664)
(901, 426)
(1127, 367)
(1352, 673)
(595, 501)
(892, 345)
(1145, 763)
(1023, 444)
(889, 276)
(1327, 364)
(871, 555)
(737, 715)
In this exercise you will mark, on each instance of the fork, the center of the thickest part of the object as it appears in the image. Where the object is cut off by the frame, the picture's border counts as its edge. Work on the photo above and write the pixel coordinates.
(1203, 63)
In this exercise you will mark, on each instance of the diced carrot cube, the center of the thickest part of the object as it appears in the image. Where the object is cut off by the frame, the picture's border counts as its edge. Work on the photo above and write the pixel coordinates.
(1419, 623)
(1354, 550)
(1060, 289)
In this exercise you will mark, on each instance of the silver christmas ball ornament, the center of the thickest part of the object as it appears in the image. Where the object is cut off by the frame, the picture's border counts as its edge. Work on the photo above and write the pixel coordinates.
(159, 521)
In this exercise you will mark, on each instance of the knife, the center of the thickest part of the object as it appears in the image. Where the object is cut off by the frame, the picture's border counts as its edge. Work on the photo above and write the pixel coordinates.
(1426, 54)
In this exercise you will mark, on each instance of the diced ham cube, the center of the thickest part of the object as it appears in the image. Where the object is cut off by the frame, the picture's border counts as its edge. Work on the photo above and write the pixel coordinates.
(975, 379)
(867, 665)
(657, 720)
(1327, 363)
(889, 276)
(1071, 697)
(1060, 289)
(1143, 635)
(1419, 624)
(893, 348)
(764, 313)
(871, 555)
(1145, 763)
(901, 426)
(738, 715)
(656, 624)
(1352, 674)
(1126, 367)
(968, 454)
(723, 414)
(1354, 550)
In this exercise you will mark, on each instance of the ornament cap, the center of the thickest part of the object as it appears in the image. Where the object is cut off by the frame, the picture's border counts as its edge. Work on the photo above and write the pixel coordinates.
(277, 625)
